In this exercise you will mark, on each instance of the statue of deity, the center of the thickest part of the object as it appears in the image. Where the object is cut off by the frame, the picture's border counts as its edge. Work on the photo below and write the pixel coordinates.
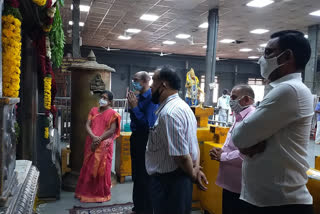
(193, 88)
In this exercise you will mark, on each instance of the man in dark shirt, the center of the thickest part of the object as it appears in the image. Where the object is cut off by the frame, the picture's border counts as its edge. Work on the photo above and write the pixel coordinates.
(142, 114)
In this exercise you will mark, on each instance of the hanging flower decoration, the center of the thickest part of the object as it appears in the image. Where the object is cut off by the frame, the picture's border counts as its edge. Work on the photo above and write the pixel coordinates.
(50, 13)
(11, 49)
(47, 28)
(46, 128)
(46, 132)
(11, 7)
(47, 92)
(46, 46)
(40, 3)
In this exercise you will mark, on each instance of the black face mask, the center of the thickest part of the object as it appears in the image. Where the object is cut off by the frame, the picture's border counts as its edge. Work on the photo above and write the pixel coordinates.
(156, 96)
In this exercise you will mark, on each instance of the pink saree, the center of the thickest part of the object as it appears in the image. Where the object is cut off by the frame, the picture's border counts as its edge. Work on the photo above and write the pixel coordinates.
(94, 182)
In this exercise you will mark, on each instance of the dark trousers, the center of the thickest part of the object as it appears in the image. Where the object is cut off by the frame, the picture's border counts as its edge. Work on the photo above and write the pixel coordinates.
(290, 209)
(141, 180)
(231, 203)
(171, 193)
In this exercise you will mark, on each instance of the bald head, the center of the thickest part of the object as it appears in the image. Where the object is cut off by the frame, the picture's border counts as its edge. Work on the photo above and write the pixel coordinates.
(244, 90)
(143, 76)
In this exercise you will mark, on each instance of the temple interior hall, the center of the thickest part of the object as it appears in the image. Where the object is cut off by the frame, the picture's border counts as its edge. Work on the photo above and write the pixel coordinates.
(160, 107)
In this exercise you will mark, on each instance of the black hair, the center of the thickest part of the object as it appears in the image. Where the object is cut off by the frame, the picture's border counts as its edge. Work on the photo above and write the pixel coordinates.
(225, 91)
(297, 43)
(109, 94)
(168, 74)
(245, 90)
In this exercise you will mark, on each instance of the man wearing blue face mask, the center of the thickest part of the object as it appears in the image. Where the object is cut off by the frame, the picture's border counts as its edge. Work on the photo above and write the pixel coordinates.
(142, 114)
(275, 137)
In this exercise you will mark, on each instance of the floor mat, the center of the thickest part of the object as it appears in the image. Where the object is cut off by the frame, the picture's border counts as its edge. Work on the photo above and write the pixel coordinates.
(109, 209)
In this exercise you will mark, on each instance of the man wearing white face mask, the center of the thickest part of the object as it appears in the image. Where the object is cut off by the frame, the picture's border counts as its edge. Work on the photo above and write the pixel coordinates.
(275, 137)
(229, 176)
(223, 106)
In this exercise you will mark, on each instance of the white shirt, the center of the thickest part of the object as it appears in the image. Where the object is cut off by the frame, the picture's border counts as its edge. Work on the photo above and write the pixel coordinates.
(277, 176)
(223, 102)
(174, 134)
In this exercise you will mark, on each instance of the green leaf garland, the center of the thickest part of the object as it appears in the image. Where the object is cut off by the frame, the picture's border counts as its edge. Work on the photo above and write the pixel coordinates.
(57, 40)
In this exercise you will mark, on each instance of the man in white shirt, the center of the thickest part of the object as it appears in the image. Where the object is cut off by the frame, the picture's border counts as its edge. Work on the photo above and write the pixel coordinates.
(172, 153)
(223, 106)
(275, 137)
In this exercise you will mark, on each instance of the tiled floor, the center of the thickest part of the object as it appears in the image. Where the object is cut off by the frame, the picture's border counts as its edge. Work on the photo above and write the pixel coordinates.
(121, 193)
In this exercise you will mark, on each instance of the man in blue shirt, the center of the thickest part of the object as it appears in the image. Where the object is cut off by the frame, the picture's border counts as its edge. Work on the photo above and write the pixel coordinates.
(317, 111)
(142, 114)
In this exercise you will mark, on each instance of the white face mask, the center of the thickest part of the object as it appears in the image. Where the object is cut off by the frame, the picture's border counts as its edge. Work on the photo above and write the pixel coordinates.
(267, 66)
(236, 107)
(103, 102)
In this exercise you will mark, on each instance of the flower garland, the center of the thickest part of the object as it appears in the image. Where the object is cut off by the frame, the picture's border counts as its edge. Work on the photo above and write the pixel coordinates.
(46, 132)
(40, 3)
(48, 47)
(51, 10)
(44, 44)
(47, 92)
(11, 55)
(46, 128)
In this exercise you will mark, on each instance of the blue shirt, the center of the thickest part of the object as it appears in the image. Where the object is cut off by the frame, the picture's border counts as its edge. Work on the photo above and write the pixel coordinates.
(143, 116)
(318, 109)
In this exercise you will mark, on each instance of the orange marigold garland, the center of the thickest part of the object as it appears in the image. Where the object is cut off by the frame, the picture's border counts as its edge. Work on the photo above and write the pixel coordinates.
(47, 92)
(11, 55)
(46, 132)
(40, 2)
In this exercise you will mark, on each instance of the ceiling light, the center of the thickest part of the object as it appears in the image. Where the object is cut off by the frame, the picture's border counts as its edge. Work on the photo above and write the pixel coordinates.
(259, 3)
(205, 46)
(306, 36)
(123, 37)
(83, 8)
(183, 36)
(169, 42)
(245, 50)
(204, 25)
(263, 45)
(81, 24)
(253, 57)
(259, 31)
(133, 30)
(315, 13)
(227, 41)
(149, 17)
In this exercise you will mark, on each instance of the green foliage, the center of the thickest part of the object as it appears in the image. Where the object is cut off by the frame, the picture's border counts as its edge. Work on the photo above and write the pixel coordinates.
(8, 10)
(57, 40)
(61, 2)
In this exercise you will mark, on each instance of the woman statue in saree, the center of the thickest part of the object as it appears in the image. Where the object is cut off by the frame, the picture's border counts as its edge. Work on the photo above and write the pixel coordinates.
(103, 127)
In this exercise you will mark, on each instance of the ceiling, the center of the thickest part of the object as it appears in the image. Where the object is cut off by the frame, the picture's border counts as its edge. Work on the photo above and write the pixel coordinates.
(107, 19)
